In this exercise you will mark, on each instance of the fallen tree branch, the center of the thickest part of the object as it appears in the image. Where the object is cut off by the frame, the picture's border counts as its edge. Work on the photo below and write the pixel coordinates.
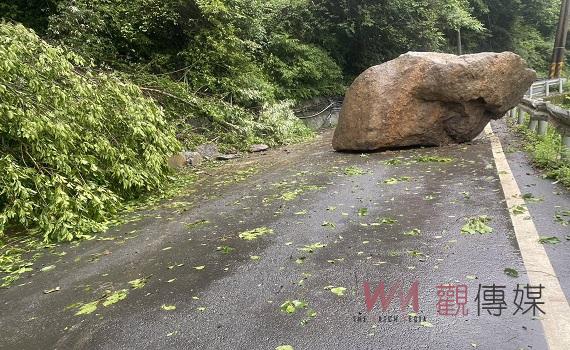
(167, 94)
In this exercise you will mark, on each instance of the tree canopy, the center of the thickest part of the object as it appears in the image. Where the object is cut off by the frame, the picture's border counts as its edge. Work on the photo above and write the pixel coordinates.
(242, 45)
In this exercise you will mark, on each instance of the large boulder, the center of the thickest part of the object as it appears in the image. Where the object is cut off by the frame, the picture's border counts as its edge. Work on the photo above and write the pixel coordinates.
(429, 99)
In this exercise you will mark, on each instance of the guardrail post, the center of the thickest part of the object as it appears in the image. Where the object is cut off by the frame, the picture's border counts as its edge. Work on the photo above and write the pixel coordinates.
(542, 127)
(560, 85)
(530, 92)
(547, 87)
(566, 146)
(520, 119)
(533, 124)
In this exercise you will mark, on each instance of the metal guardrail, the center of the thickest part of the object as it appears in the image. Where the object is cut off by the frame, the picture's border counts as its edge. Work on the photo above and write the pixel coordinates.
(546, 87)
(333, 106)
(541, 114)
(325, 117)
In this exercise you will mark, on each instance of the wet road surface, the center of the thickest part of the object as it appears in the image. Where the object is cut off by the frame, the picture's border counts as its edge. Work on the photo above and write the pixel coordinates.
(315, 225)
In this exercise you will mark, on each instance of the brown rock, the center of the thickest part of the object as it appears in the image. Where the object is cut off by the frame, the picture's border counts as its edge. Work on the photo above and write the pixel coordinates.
(227, 156)
(429, 99)
(177, 161)
(193, 158)
(258, 148)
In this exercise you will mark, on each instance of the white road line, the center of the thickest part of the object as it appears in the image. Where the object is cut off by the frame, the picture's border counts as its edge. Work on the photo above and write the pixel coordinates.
(556, 321)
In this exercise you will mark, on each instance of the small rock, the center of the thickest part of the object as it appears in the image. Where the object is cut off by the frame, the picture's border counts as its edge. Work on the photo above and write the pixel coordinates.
(177, 161)
(227, 156)
(49, 291)
(259, 148)
(193, 158)
(208, 150)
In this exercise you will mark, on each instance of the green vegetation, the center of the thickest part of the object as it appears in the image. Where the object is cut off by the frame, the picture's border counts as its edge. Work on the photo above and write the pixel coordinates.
(511, 272)
(548, 240)
(74, 145)
(255, 233)
(338, 291)
(354, 171)
(433, 159)
(414, 232)
(526, 27)
(545, 153)
(477, 225)
(397, 180)
(292, 306)
(311, 248)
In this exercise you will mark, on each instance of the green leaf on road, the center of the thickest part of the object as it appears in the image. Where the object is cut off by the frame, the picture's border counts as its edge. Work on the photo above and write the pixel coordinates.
(284, 347)
(396, 180)
(88, 308)
(414, 232)
(138, 283)
(255, 233)
(354, 171)
(225, 249)
(115, 297)
(291, 306)
(415, 253)
(562, 217)
(432, 159)
(511, 272)
(339, 291)
(328, 224)
(530, 198)
(386, 221)
(168, 307)
(518, 210)
(549, 240)
(477, 225)
(311, 248)
(291, 195)
(362, 211)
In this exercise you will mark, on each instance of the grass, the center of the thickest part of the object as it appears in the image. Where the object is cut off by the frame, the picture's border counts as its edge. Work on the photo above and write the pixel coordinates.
(545, 153)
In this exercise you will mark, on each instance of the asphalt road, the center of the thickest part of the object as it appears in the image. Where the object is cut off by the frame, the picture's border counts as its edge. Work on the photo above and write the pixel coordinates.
(327, 224)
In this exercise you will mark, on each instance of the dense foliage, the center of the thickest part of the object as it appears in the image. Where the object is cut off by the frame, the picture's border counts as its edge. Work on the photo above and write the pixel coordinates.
(73, 144)
(363, 33)
(214, 66)
(231, 46)
(526, 27)
(545, 153)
